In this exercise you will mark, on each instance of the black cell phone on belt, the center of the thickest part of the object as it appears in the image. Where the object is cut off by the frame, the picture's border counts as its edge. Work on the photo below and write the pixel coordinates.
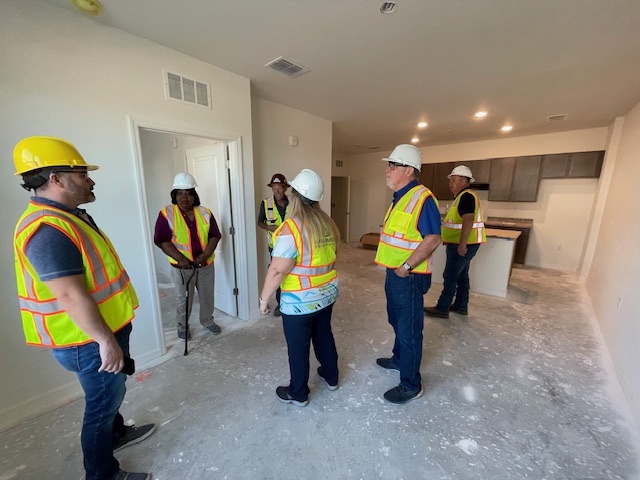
(129, 366)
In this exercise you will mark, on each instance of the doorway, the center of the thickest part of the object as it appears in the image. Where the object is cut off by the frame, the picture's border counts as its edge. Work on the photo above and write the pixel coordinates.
(163, 155)
(341, 204)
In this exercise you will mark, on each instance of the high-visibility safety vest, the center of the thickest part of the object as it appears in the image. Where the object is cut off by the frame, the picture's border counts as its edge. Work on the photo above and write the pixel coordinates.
(44, 321)
(452, 223)
(273, 217)
(315, 264)
(400, 235)
(181, 235)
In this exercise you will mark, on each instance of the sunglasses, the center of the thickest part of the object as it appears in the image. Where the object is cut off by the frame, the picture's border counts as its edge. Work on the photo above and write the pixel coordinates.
(394, 165)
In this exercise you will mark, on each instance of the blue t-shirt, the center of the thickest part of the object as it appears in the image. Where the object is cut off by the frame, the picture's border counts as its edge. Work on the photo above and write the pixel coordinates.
(51, 252)
(305, 301)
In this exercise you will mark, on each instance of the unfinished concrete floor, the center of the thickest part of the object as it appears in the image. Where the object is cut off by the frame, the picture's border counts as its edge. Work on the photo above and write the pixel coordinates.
(519, 389)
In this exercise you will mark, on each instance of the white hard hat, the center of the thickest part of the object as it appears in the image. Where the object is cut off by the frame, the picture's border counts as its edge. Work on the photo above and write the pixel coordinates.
(309, 184)
(406, 155)
(462, 171)
(184, 181)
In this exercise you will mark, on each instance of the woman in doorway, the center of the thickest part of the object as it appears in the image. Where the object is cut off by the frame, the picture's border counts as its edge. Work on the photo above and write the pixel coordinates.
(188, 233)
(303, 267)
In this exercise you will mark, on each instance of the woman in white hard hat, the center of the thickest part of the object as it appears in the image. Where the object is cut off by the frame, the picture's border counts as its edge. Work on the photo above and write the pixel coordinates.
(303, 266)
(188, 233)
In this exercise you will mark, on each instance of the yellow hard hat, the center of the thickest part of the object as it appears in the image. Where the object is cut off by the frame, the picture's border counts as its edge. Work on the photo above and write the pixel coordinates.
(32, 153)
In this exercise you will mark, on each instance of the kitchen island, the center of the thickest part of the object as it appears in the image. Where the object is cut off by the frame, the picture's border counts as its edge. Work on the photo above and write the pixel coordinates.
(490, 268)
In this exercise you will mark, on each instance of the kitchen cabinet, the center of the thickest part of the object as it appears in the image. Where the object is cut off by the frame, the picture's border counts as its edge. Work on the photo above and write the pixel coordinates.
(441, 182)
(426, 177)
(480, 170)
(585, 164)
(555, 166)
(515, 179)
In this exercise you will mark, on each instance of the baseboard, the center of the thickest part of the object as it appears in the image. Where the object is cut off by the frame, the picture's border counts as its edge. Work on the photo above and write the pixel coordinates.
(36, 406)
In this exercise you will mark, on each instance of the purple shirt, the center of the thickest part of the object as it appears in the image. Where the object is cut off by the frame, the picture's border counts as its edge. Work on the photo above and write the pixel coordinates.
(164, 234)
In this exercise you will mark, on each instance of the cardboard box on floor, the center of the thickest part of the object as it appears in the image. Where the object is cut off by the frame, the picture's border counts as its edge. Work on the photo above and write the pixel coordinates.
(370, 241)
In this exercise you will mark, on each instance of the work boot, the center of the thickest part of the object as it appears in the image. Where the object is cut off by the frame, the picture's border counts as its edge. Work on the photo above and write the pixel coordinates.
(434, 312)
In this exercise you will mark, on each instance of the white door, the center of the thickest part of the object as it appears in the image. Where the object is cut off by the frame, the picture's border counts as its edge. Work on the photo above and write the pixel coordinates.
(209, 167)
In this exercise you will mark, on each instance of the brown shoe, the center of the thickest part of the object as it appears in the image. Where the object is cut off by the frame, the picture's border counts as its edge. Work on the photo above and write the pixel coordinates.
(433, 312)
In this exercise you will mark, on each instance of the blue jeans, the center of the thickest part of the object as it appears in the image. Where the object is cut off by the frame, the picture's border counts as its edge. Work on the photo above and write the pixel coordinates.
(102, 424)
(406, 315)
(456, 278)
(300, 331)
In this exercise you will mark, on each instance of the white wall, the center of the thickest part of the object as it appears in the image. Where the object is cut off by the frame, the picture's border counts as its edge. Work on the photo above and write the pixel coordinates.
(561, 213)
(272, 125)
(614, 279)
(66, 75)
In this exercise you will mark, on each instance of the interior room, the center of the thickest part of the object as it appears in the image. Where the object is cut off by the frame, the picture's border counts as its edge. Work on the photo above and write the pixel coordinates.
(540, 382)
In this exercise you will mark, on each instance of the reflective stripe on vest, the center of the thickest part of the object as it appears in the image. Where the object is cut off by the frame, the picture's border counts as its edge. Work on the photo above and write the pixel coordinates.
(400, 235)
(273, 217)
(45, 322)
(315, 265)
(181, 238)
(452, 223)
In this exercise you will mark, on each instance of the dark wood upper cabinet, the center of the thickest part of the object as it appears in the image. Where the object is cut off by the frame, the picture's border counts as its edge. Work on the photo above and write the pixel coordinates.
(501, 179)
(480, 170)
(555, 166)
(585, 164)
(526, 179)
(427, 175)
(441, 182)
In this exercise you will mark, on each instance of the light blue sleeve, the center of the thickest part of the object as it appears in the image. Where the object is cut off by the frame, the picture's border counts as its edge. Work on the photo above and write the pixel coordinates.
(285, 247)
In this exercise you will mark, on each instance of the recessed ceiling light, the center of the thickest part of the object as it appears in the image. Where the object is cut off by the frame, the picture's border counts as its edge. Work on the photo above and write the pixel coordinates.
(415, 140)
(388, 7)
(480, 114)
(92, 8)
(422, 124)
(506, 128)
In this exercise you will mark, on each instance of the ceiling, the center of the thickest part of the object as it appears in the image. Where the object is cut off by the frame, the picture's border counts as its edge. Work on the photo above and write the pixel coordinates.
(376, 76)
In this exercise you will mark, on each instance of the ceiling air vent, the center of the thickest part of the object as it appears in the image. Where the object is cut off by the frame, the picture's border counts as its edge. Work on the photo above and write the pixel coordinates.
(287, 67)
(388, 7)
(187, 90)
(557, 118)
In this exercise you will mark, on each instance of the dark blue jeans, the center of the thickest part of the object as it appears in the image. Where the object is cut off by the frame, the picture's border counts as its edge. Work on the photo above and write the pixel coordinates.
(300, 331)
(456, 278)
(406, 315)
(102, 424)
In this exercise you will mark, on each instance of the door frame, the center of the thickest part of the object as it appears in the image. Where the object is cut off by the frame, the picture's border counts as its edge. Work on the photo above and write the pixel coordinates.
(234, 146)
(348, 209)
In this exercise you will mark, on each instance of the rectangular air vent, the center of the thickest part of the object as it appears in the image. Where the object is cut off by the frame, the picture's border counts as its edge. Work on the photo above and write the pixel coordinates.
(338, 163)
(287, 67)
(557, 118)
(187, 90)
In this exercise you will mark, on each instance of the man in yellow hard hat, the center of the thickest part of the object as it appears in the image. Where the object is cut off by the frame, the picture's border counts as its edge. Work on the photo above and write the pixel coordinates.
(75, 296)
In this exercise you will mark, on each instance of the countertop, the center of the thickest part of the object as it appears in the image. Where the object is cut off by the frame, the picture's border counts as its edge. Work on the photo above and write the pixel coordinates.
(508, 234)
(509, 222)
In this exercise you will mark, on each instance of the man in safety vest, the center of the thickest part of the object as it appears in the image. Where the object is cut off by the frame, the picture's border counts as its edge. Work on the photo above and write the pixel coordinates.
(410, 234)
(462, 232)
(75, 296)
(188, 234)
(273, 211)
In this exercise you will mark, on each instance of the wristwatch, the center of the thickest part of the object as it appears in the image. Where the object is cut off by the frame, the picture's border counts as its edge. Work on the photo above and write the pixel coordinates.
(407, 267)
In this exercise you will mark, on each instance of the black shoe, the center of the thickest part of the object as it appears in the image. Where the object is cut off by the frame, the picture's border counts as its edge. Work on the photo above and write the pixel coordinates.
(387, 364)
(433, 312)
(215, 329)
(329, 386)
(400, 395)
(132, 436)
(455, 309)
(122, 475)
(184, 334)
(276, 312)
(284, 397)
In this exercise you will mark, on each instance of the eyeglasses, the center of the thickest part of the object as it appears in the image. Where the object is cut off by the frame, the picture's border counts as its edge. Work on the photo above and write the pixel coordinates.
(393, 165)
(83, 174)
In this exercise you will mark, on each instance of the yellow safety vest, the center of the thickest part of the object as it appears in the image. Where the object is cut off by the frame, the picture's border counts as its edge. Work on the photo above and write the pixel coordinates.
(181, 235)
(452, 223)
(314, 264)
(273, 217)
(44, 321)
(400, 235)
